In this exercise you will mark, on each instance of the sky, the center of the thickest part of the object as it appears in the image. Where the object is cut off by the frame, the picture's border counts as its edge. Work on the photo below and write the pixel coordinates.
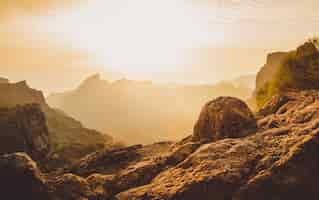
(54, 44)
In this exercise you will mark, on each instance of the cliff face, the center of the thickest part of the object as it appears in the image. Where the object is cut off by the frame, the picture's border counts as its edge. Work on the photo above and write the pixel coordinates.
(19, 94)
(141, 112)
(273, 63)
(276, 161)
(295, 70)
(69, 139)
(23, 129)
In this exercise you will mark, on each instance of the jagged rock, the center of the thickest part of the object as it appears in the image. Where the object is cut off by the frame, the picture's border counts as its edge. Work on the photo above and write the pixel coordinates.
(21, 179)
(224, 117)
(101, 185)
(111, 161)
(19, 94)
(69, 139)
(273, 105)
(276, 163)
(266, 73)
(297, 70)
(71, 187)
(106, 161)
(24, 129)
(273, 163)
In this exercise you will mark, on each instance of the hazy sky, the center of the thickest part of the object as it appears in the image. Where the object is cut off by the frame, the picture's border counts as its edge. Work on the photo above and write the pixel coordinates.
(54, 44)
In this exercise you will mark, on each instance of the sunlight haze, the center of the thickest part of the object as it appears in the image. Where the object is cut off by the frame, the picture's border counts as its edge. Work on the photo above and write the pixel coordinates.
(180, 41)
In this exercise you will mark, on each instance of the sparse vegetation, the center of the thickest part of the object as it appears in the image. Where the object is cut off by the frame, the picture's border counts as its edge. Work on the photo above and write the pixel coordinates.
(298, 71)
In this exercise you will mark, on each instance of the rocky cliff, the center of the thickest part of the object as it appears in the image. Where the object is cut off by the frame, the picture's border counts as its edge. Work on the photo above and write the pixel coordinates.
(275, 159)
(23, 129)
(294, 70)
(35, 125)
(273, 62)
(232, 154)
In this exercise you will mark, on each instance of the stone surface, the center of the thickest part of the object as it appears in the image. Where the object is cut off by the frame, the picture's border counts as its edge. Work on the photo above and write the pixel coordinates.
(24, 129)
(274, 163)
(21, 179)
(224, 117)
(295, 71)
(69, 139)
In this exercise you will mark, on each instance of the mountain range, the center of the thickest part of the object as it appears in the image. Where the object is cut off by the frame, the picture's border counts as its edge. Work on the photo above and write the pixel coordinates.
(142, 111)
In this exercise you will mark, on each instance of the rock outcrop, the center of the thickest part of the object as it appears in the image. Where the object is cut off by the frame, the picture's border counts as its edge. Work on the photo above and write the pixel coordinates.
(232, 154)
(32, 127)
(295, 70)
(273, 63)
(21, 178)
(277, 161)
(24, 129)
(224, 117)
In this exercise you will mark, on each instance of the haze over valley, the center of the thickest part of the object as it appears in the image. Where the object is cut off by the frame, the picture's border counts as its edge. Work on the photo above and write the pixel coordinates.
(159, 100)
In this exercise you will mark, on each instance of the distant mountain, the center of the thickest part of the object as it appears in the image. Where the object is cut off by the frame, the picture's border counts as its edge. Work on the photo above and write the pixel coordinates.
(69, 139)
(140, 111)
(245, 81)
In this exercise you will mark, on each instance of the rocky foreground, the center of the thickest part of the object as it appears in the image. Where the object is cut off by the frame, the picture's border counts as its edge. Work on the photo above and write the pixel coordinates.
(232, 155)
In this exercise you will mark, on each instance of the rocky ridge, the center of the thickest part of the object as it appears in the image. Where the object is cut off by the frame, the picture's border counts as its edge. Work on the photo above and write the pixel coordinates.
(128, 102)
(276, 161)
(23, 128)
(28, 124)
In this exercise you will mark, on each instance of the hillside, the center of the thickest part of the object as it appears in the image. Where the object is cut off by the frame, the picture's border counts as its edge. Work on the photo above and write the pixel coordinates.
(69, 139)
(294, 70)
(141, 112)
(231, 154)
(270, 156)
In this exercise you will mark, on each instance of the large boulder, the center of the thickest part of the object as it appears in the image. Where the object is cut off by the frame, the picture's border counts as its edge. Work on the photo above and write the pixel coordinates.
(23, 129)
(21, 179)
(224, 117)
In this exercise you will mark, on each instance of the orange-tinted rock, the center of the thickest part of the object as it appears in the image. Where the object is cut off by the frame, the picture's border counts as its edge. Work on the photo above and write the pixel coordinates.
(23, 129)
(224, 117)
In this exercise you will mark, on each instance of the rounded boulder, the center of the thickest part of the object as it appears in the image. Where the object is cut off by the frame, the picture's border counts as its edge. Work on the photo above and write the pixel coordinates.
(224, 117)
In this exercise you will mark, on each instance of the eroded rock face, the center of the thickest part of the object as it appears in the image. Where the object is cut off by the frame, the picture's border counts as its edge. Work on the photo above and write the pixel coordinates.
(278, 161)
(70, 186)
(24, 129)
(224, 117)
(273, 63)
(21, 179)
(274, 163)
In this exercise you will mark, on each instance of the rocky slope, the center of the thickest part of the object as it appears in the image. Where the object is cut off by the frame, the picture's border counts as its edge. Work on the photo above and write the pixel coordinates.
(23, 128)
(36, 126)
(273, 62)
(274, 159)
(294, 70)
(132, 110)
